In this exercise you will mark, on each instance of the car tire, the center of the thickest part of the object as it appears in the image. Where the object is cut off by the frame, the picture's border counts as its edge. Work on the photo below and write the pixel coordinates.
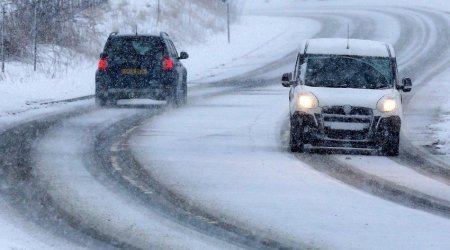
(296, 137)
(173, 99)
(391, 144)
(184, 92)
(112, 102)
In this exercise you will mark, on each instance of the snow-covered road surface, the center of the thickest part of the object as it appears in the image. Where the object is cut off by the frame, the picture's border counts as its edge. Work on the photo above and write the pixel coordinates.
(224, 156)
(79, 187)
(233, 163)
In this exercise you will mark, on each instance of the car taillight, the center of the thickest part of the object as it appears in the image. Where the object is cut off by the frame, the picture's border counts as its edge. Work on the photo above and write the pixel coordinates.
(167, 64)
(103, 64)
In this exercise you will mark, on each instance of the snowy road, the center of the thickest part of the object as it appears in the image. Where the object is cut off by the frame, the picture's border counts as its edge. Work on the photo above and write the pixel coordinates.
(231, 164)
(217, 174)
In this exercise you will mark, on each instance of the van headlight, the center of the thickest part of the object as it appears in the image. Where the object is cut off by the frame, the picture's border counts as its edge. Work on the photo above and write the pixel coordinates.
(387, 104)
(307, 100)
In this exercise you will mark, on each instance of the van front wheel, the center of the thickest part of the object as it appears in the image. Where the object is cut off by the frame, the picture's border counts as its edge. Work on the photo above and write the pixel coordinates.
(296, 137)
(392, 144)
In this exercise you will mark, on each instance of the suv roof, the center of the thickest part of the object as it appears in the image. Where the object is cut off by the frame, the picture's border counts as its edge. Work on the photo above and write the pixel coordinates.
(357, 47)
(117, 34)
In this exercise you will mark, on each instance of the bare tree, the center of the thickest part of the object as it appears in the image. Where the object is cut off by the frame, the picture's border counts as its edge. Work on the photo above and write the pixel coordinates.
(56, 24)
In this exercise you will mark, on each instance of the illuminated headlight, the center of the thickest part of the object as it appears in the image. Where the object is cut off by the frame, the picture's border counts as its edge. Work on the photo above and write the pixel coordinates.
(307, 101)
(387, 104)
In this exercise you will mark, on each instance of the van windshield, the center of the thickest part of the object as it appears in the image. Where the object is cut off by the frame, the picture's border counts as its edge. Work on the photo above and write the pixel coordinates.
(348, 72)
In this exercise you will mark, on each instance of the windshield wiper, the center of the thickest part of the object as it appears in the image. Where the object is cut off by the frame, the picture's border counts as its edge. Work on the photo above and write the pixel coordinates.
(382, 87)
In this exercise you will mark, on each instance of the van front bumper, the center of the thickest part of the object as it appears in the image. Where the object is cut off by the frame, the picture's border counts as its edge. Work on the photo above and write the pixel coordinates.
(366, 132)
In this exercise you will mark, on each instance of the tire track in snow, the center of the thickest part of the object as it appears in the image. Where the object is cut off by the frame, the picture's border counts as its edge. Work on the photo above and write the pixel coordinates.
(89, 195)
(28, 195)
(119, 163)
(435, 56)
(375, 185)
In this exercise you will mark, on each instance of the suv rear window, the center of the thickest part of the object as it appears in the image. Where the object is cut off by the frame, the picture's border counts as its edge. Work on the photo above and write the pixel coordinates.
(134, 47)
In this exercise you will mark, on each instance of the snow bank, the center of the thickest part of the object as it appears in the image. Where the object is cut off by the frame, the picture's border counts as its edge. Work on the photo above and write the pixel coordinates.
(255, 42)
(186, 21)
(441, 129)
(22, 89)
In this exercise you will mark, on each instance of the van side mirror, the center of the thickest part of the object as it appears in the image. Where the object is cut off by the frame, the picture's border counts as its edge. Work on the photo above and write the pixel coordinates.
(183, 55)
(286, 79)
(103, 55)
(302, 59)
(407, 84)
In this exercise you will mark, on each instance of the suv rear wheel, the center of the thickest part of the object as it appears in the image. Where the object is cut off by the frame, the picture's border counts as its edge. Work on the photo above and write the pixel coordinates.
(100, 101)
(174, 98)
(183, 100)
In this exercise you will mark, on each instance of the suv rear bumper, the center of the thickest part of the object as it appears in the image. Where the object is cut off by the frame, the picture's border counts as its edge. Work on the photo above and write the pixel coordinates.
(316, 133)
(106, 87)
(116, 93)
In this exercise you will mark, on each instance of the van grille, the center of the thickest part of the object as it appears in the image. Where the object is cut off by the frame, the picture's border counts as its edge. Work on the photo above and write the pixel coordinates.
(341, 110)
(347, 123)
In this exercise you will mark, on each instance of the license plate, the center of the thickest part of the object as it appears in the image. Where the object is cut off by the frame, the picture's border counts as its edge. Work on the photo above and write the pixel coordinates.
(134, 71)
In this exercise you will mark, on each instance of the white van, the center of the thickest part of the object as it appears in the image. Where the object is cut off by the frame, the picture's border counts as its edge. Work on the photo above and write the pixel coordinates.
(345, 93)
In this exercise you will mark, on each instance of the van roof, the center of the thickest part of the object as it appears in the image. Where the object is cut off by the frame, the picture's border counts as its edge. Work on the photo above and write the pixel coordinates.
(357, 47)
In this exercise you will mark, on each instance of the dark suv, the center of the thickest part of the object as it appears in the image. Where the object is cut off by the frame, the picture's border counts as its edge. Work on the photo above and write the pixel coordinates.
(140, 66)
